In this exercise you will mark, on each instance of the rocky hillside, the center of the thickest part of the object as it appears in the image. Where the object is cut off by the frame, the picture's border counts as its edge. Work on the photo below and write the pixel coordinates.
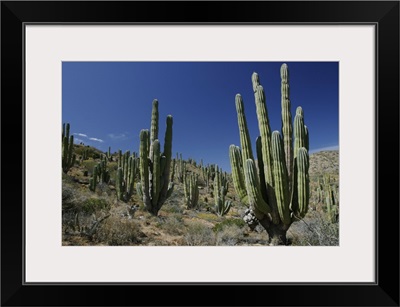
(324, 162)
(99, 218)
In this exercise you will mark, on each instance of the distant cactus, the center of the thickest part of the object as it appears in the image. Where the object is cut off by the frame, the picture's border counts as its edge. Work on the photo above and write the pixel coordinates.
(155, 165)
(191, 190)
(103, 172)
(276, 185)
(100, 174)
(330, 198)
(68, 156)
(85, 154)
(180, 167)
(108, 154)
(94, 180)
(208, 173)
(222, 206)
(125, 177)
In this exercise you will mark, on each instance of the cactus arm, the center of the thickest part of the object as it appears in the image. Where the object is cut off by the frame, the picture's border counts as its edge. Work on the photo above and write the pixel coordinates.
(307, 138)
(287, 129)
(265, 130)
(168, 155)
(260, 163)
(243, 131)
(281, 180)
(303, 181)
(154, 125)
(299, 131)
(144, 167)
(256, 201)
(237, 171)
(156, 172)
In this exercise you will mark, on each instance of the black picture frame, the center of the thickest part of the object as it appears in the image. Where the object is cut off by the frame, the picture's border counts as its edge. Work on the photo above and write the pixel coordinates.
(383, 14)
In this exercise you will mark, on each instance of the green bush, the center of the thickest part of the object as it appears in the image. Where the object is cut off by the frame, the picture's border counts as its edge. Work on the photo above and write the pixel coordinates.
(91, 205)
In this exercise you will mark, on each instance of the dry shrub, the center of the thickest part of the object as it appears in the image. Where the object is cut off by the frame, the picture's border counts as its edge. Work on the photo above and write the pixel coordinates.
(172, 225)
(172, 206)
(229, 235)
(197, 234)
(114, 231)
(315, 230)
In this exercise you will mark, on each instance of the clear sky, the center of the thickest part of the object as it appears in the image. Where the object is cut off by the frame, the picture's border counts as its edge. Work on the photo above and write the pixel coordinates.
(108, 103)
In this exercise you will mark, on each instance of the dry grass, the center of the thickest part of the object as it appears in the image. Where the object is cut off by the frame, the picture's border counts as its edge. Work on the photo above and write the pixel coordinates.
(314, 230)
(197, 234)
(115, 232)
(230, 235)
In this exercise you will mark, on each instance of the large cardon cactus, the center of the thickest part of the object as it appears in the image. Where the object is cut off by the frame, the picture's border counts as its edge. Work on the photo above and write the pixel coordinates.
(276, 184)
(155, 186)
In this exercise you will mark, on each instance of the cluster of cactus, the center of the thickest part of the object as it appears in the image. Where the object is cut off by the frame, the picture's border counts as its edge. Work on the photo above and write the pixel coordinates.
(100, 174)
(222, 206)
(155, 165)
(68, 156)
(208, 173)
(127, 171)
(191, 190)
(278, 193)
(328, 194)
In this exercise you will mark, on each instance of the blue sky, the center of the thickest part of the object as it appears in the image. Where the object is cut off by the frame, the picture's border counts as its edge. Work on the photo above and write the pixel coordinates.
(108, 103)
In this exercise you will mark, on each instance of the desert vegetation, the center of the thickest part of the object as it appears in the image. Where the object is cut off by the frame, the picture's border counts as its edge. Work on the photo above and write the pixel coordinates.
(281, 196)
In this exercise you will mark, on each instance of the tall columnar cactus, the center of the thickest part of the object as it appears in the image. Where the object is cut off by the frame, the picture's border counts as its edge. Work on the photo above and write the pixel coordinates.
(276, 186)
(191, 190)
(155, 165)
(68, 156)
(222, 206)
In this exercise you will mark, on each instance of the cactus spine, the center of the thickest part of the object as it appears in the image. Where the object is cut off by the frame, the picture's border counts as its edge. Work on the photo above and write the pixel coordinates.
(278, 192)
(155, 165)
(68, 157)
